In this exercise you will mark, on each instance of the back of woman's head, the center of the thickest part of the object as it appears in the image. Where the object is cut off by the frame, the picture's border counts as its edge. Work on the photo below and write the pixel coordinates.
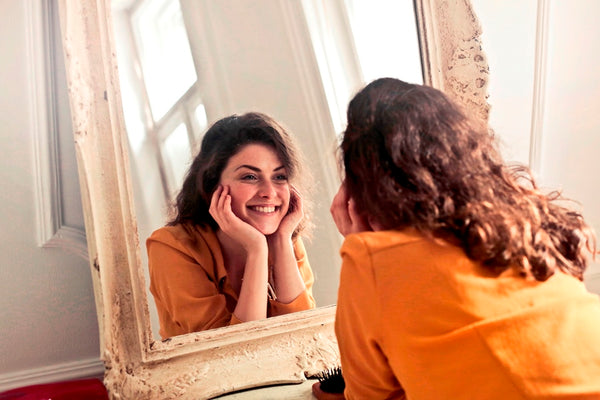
(222, 140)
(413, 158)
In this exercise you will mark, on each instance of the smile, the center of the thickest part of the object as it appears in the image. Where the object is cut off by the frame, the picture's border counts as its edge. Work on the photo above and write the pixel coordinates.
(263, 209)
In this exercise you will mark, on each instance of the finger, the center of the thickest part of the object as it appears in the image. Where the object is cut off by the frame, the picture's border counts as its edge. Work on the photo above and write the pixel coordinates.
(339, 212)
(225, 212)
(227, 204)
(296, 203)
(222, 197)
(216, 194)
(339, 201)
(375, 226)
(352, 212)
(215, 199)
(344, 196)
(359, 224)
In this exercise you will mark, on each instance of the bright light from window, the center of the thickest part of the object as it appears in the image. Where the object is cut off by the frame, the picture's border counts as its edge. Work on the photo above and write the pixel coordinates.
(177, 155)
(386, 40)
(200, 115)
(164, 52)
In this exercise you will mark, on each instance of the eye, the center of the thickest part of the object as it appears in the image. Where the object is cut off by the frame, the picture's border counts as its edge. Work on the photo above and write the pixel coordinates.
(281, 178)
(249, 177)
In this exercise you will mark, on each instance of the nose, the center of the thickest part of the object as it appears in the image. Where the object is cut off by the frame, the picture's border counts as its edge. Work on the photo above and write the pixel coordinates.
(267, 190)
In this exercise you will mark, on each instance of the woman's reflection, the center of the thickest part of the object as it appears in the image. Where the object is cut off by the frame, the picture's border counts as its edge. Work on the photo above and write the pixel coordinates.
(233, 252)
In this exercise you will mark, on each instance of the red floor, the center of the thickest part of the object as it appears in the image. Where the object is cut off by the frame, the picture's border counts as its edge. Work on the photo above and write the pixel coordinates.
(83, 389)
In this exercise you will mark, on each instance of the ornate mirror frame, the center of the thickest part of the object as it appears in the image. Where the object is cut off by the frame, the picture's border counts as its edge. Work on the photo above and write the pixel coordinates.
(284, 349)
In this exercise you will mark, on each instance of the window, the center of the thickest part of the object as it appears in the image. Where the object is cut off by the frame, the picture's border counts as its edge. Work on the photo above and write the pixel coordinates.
(162, 103)
(357, 41)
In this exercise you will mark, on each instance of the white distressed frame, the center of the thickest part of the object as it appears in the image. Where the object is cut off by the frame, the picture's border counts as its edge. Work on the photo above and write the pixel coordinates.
(204, 364)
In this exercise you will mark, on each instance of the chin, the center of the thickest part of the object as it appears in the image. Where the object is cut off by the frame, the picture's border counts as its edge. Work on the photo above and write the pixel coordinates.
(268, 231)
(266, 226)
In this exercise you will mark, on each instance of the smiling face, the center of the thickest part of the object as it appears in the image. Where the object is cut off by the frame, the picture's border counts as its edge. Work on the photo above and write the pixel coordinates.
(258, 185)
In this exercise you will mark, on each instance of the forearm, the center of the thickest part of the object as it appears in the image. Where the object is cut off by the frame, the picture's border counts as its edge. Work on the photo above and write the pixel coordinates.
(288, 283)
(252, 302)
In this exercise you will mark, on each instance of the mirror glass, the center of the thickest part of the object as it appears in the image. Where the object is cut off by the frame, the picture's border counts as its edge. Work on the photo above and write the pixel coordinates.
(183, 64)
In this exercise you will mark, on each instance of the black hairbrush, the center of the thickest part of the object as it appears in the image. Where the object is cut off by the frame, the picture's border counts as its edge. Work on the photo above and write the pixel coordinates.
(330, 386)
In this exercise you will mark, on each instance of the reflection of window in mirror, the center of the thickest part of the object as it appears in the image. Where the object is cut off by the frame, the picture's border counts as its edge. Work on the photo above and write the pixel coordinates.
(164, 115)
(164, 53)
(175, 148)
(381, 40)
(385, 36)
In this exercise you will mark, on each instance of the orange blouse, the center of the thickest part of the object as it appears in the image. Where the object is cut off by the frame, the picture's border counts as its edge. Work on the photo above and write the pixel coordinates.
(190, 285)
(417, 318)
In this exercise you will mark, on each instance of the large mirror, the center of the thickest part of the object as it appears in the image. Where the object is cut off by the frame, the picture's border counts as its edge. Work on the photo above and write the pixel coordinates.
(283, 349)
(184, 64)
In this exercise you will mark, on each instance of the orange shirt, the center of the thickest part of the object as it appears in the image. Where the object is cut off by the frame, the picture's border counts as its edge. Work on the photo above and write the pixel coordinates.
(190, 285)
(417, 316)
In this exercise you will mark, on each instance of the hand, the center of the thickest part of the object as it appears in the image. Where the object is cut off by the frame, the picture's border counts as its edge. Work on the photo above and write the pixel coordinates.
(240, 231)
(344, 213)
(293, 217)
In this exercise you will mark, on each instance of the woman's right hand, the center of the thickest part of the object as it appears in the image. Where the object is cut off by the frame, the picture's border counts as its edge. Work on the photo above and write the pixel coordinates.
(243, 233)
(344, 213)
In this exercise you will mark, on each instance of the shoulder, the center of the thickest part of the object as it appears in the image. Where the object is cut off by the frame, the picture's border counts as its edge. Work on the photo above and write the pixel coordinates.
(371, 243)
(184, 237)
(366, 255)
(183, 245)
(402, 251)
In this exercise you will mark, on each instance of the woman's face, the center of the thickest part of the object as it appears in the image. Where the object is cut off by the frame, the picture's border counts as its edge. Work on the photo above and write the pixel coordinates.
(258, 185)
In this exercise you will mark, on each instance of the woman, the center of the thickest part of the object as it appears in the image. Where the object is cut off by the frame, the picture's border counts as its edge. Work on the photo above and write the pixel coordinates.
(460, 278)
(233, 252)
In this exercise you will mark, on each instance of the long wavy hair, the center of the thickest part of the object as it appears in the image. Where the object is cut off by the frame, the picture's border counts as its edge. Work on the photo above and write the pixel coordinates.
(223, 140)
(413, 158)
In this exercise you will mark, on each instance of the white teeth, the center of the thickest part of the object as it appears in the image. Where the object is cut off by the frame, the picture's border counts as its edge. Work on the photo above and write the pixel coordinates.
(268, 209)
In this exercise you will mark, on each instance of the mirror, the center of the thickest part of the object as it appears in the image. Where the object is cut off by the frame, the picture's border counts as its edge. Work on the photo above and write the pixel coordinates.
(185, 64)
(283, 349)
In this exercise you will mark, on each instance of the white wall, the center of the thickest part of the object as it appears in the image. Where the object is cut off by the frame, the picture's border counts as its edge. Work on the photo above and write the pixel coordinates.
(545, 94)
(48, 327)
(572, 115)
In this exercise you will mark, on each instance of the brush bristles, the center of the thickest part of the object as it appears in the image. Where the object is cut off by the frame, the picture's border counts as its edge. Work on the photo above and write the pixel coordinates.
(331, 380)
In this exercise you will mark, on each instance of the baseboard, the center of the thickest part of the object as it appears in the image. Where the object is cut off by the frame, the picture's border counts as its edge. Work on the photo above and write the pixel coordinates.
(90, 368)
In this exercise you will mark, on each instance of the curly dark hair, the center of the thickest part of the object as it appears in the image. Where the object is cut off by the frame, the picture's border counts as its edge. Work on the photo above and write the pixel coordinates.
(414, 158)
(223, 140)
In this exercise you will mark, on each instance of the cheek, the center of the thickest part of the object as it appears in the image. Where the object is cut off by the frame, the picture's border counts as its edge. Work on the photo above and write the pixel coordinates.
(236, 206)
(239, 197)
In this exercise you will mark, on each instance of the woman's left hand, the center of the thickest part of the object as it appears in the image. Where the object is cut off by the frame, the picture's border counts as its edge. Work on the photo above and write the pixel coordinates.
(294, 215)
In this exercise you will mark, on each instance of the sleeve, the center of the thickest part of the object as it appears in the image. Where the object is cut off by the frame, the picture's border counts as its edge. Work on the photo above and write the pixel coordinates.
(187, 299)
(304, 301)
(358, 328)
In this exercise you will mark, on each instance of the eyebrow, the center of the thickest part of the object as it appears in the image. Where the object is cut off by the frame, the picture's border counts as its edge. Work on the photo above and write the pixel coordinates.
(256, 169)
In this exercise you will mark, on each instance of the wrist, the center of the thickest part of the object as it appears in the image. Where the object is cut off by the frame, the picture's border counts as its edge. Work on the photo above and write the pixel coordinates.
(256, 244)
(279, 238)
